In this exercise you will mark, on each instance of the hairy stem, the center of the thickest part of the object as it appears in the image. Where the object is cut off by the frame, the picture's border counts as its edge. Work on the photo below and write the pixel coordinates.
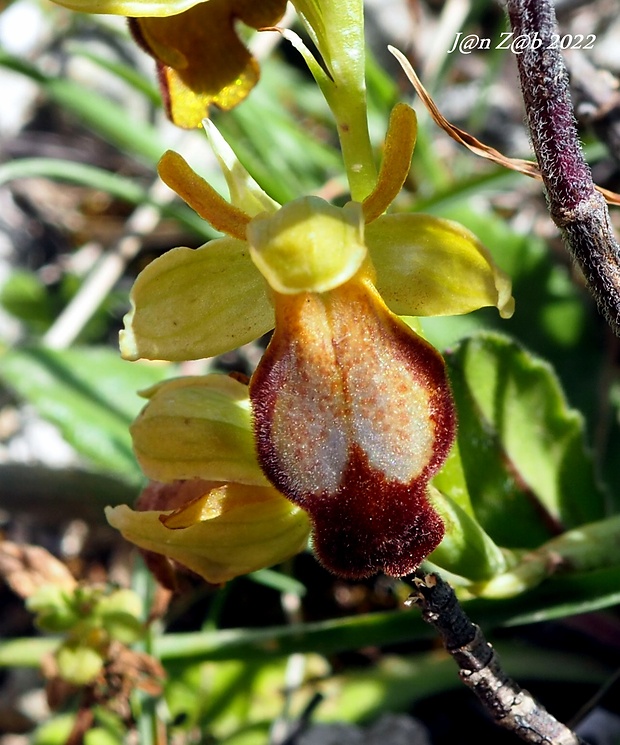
(575, 206)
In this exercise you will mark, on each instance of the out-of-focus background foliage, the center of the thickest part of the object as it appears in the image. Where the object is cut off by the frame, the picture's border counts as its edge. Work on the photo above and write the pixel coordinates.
(291, 650)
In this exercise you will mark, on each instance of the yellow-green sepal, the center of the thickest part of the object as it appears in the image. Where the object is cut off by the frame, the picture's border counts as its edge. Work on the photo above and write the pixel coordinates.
(429, 266)
(197, 427)
(466, 549)
(195, 303)
(246, 529)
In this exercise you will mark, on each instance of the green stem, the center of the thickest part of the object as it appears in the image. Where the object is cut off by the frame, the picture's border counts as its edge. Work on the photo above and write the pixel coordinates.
(352, 123)
(337, 29)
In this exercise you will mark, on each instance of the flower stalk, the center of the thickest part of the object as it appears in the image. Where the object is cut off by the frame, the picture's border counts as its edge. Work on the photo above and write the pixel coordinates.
(337, 29)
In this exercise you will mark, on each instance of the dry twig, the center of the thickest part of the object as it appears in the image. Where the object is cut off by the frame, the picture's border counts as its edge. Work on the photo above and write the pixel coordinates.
(480, 669)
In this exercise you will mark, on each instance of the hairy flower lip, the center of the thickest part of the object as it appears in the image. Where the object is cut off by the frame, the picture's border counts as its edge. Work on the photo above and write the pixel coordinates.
(353, 412)
(343, 433)
(393, 537)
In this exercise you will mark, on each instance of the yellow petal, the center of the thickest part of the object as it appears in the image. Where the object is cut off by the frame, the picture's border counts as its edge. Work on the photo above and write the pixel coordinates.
(131, 8)
(176, 173)
(205, 507)
(399, 144)
(197, 427)
(428, 266)
(195, 303)
(308, 245)
(202, 61)
(247, 528)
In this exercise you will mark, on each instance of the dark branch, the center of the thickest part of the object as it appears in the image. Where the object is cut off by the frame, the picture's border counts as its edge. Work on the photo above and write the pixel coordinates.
(480, 669)
(576, 207)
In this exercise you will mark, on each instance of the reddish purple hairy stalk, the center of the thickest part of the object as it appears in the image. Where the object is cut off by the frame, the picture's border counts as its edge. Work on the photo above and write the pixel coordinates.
(579, 211)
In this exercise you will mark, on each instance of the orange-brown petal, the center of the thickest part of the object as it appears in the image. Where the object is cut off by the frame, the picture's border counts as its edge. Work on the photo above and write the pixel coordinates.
(201, 61)
(353, 415)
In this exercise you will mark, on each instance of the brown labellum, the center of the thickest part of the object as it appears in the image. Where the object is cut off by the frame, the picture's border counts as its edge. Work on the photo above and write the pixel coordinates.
(353, 415)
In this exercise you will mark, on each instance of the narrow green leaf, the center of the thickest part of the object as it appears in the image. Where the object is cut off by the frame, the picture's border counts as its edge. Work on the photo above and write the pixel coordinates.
(124, 72)
(278, 581)
(89, 393)
(555, 598)
(118, 186)
(587, 548)
(31, 488)
(396, 683)
(105, 117)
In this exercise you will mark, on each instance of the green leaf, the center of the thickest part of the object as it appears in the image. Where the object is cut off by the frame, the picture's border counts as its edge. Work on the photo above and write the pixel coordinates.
(119, 614)
(128, 74)
(528, 470)
(55, 731)
(278, 581)
(557, 597)
(451, 481)
(396, 683)
(101, 736)
(554, 317)
(78, 664)
(587, 548)
(53, 608)
(24, 296)
(231, 696)
(31, 488)
(89, 394)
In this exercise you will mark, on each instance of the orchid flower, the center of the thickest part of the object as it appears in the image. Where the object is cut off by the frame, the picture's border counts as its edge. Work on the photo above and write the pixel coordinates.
(352, 411)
